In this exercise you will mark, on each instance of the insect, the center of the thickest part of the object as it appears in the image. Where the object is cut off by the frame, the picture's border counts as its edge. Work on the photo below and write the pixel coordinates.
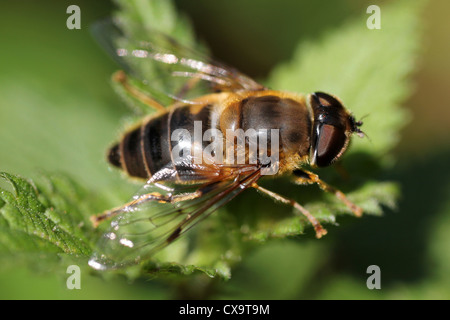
(311, 130)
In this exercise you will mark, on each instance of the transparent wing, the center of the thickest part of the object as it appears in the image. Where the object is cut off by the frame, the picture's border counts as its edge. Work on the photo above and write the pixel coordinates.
(165, 65)
(165, 210)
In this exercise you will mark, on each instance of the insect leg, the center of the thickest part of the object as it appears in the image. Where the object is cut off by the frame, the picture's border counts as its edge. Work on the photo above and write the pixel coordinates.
(306, 177)
(121, 78)
(320, 231)
(130, 206)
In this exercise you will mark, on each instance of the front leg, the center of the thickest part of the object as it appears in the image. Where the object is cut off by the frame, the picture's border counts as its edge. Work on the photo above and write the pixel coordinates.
(307, 177)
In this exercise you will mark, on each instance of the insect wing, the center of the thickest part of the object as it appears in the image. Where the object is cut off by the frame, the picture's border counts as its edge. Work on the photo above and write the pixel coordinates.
(160, 214)
(177, 70)
(112, 39)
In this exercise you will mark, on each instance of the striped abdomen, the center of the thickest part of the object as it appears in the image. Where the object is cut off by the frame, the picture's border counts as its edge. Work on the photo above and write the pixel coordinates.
(147, 148)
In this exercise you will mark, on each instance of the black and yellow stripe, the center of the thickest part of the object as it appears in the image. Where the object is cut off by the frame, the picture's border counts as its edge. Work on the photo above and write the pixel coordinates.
(147, 148)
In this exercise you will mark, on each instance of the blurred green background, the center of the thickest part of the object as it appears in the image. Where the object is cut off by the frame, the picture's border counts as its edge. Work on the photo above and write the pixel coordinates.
(52, 77)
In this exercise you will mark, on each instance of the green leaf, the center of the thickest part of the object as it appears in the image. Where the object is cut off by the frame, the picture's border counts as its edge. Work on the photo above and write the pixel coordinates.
(41, 218)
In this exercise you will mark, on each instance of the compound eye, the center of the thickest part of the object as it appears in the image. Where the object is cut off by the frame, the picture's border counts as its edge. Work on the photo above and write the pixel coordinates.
(331, 141)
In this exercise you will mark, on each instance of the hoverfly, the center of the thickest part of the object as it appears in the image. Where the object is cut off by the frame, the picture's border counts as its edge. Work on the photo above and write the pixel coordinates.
(313, 129)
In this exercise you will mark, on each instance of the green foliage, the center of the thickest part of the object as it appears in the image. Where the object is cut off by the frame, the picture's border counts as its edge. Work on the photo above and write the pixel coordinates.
(42, 219)
(367, 69)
